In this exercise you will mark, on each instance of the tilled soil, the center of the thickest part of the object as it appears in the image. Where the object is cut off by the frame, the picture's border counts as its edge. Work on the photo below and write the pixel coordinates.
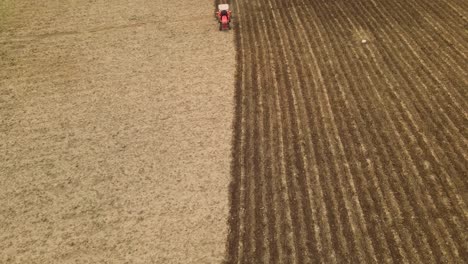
(350, 141)
(115, 132)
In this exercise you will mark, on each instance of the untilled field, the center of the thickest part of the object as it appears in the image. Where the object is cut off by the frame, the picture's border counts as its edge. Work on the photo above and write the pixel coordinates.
(344, 151)
(115, 132)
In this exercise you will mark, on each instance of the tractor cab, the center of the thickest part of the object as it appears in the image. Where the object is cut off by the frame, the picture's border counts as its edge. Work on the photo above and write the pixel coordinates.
(224, 14)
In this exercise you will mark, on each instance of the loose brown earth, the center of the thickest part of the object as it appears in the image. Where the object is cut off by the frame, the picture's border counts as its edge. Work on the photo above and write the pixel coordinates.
(350, 152)
(115, 132)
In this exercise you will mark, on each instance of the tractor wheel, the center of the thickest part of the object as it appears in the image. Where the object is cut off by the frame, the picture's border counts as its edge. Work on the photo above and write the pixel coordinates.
(220, 26)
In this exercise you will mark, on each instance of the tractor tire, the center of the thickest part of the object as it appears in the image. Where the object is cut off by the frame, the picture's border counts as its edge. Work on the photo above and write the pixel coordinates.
(220, 27)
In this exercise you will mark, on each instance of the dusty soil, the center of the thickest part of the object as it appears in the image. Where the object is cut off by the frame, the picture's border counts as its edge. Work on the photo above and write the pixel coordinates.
(344, 151)
(115, 132)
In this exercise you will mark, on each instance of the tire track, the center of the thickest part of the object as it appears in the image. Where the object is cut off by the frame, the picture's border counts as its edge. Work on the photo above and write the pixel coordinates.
(452, 205)
(408, 168)
(346, 134)
(333, 41)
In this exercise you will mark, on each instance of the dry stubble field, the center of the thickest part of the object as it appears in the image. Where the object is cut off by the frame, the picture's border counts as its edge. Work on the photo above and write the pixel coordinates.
(346, 152)
(115, 131)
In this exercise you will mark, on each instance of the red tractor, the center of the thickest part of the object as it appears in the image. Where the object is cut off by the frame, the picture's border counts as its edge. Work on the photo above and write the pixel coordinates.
(224, 17)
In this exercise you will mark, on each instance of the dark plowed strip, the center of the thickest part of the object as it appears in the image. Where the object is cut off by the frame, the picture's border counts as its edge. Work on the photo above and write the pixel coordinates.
(346, 151)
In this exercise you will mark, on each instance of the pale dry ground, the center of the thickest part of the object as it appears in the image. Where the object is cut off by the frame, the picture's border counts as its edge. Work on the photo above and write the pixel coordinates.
(115, 132)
